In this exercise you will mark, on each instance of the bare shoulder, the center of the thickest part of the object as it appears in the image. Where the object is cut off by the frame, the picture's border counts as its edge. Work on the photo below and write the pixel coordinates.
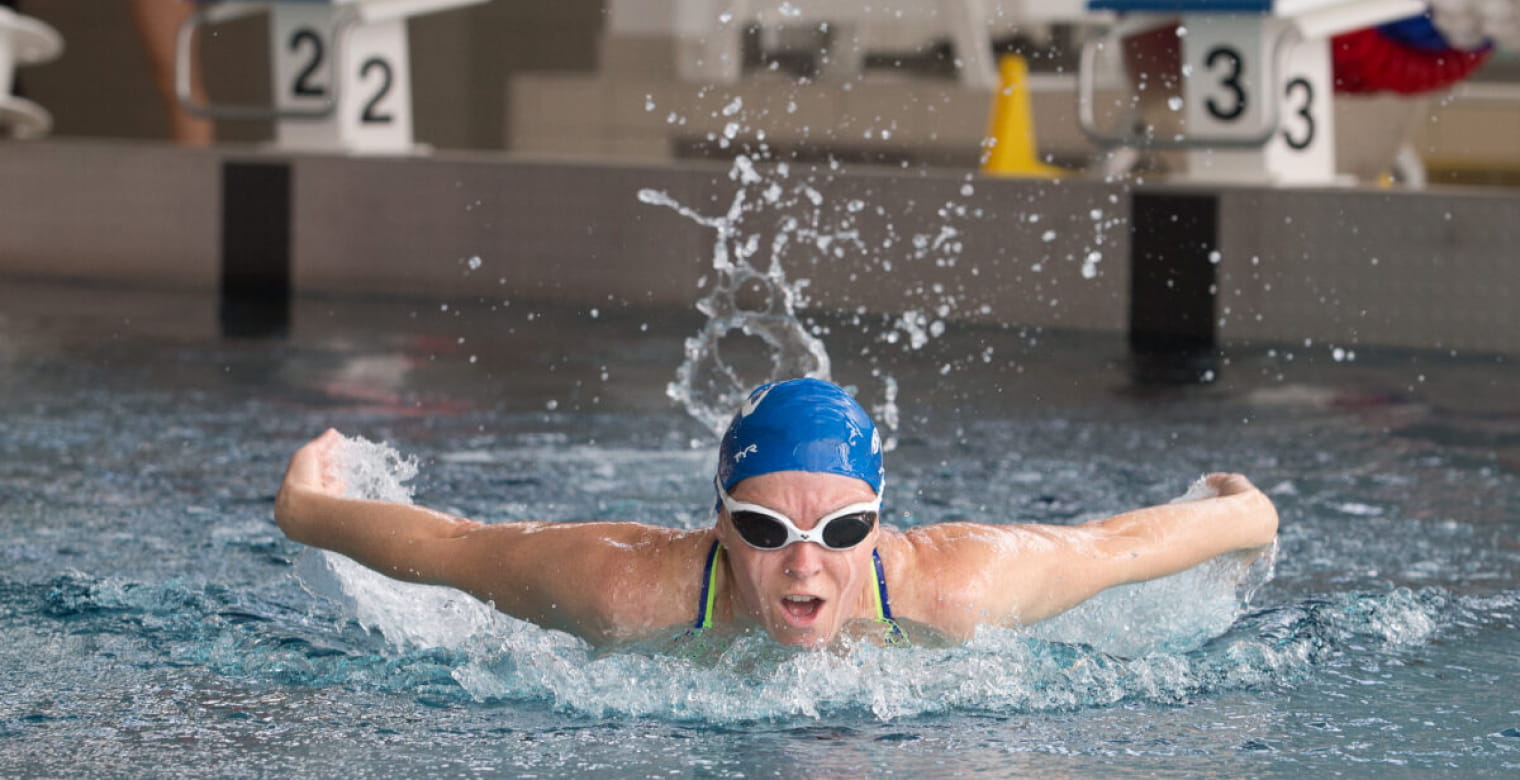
(956, 576)
(601, 581)
(644, 579)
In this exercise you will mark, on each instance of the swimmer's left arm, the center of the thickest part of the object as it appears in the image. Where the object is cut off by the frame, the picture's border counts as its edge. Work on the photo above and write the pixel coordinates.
(970, 574)
(1146, 544)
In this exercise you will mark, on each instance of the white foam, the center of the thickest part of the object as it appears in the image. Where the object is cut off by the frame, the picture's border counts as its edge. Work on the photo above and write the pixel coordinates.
(406, 614)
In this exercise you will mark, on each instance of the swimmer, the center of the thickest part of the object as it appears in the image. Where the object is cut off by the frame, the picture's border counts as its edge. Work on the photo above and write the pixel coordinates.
(797, 548)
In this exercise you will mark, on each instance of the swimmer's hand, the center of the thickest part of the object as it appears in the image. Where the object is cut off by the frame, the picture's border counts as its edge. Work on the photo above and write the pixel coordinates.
(309, 474)
(311, 469)
(1215, 485)
(1228, 484)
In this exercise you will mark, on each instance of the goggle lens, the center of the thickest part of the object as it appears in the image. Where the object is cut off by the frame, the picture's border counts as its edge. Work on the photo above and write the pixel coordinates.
(848, 531)
(759, 530)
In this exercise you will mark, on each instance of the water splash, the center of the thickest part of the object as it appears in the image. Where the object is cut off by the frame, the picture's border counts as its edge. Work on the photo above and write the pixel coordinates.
(774, 212)
(406, 614)
(999, 672)
(707, 384)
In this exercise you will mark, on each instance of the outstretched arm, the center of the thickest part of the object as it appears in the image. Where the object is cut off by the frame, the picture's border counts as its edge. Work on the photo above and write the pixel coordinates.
(582, 578)
(1153, 542)
(393, 539)
(1033, 572)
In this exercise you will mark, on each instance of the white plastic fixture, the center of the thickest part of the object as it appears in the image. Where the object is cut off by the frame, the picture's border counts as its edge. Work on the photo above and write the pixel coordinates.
(23, 41)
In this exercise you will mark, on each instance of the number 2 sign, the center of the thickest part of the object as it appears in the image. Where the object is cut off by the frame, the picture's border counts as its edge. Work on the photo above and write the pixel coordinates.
(360, 72)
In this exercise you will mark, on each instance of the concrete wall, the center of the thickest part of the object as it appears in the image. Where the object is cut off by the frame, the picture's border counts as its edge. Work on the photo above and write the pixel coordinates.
(137, 214)
(1370, 267)
(1427, 269)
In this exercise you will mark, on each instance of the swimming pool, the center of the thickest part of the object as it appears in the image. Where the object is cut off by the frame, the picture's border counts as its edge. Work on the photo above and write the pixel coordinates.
(154, 624)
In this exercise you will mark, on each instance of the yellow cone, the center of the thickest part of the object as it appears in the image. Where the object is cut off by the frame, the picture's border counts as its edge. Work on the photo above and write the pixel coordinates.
(1010, 130)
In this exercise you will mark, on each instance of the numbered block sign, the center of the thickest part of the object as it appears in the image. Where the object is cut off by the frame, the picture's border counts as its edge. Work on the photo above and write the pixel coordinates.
(339, 83)
(1258, 97)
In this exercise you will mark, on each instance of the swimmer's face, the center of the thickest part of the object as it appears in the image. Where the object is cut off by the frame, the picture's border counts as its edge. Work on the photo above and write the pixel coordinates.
(802, 593)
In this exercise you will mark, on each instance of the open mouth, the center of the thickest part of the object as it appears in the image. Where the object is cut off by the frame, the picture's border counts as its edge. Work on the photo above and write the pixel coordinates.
(801, 610)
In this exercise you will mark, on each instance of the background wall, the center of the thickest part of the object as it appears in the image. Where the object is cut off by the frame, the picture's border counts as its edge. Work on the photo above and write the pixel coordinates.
(556, 79)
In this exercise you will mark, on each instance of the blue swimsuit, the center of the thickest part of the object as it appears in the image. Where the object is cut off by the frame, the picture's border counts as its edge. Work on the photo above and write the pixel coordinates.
(894, 636)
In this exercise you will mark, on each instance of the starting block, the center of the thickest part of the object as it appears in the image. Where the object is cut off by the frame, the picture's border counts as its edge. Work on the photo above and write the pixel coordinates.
(341, 70)
(1256, 82)
(23, 41)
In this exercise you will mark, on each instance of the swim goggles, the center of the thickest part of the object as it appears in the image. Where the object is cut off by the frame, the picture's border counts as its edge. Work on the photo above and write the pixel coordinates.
(766, 529)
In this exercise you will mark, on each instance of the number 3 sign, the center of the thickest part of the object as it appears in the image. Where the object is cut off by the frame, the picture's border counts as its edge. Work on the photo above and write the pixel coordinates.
(1251, 78)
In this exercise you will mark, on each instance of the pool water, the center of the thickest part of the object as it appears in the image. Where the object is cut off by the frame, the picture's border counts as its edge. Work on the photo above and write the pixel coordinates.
(158, 623)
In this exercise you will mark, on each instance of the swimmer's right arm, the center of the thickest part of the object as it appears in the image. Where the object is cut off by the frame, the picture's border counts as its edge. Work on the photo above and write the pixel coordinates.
(580, 578)
(310, 509)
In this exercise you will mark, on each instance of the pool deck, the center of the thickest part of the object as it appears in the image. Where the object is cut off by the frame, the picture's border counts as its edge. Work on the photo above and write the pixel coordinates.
(1425, 269)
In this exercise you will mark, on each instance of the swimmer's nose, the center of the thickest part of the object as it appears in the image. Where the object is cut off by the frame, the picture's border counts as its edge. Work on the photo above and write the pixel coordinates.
(803, 560)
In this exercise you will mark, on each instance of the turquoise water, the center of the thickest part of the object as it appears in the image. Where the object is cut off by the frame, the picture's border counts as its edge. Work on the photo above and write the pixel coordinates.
(157, 622)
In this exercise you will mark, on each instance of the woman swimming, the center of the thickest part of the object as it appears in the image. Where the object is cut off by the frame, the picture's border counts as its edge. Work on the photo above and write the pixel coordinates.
(797, 547)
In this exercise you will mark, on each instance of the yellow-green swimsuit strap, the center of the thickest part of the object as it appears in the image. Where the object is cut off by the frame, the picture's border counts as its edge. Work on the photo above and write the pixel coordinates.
(895, 635)
(709, 597)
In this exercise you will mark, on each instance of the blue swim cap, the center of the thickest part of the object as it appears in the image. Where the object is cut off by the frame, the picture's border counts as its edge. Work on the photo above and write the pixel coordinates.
(800, 425)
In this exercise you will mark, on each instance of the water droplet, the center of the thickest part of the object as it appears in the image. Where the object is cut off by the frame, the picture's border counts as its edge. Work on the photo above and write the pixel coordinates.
(1174, 103)
(473, 263)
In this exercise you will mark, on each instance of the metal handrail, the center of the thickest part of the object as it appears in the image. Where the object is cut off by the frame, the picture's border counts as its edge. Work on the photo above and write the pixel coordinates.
(218, 13)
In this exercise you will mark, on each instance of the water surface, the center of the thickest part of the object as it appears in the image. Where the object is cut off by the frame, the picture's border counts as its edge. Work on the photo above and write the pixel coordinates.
(156, 625)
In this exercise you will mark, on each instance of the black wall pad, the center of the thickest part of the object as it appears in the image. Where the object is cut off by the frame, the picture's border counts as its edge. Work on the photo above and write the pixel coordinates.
(256, 287)
(1172, 279)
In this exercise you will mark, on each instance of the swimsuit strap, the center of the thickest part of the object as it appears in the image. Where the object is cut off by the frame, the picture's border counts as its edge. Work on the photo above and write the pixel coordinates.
(709, 595)
(895, 635)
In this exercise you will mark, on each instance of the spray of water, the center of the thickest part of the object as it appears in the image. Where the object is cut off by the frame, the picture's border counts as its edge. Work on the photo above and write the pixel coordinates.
(709, 386)
(407, 615)
(777, 214)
